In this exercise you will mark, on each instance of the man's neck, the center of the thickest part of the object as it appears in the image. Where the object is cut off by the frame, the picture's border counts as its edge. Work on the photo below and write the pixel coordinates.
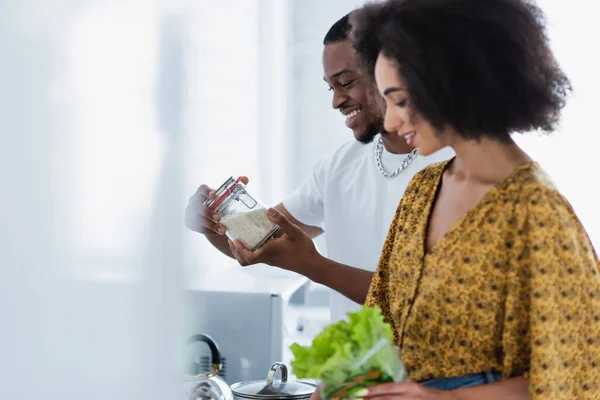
(395, 144)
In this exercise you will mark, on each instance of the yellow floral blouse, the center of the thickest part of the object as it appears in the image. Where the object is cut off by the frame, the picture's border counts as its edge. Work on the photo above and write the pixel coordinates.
(513, 288)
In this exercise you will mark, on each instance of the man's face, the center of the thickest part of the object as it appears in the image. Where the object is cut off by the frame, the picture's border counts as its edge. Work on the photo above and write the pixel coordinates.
(353, 95)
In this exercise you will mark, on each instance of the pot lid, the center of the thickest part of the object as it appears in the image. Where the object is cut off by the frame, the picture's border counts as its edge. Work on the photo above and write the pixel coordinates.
(274, 389)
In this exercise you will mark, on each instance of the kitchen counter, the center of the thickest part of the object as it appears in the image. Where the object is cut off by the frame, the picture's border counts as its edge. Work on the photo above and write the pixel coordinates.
(253, 279)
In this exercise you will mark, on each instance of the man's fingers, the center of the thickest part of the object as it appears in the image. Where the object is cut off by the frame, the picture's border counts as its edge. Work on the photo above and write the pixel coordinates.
(197, 208)
(246, 254)
(200, 224)
(286, 226)
(236, 255)
(202, 193)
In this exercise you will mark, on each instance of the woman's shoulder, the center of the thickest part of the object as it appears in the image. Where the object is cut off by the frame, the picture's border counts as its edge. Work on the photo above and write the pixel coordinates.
(545, 211)
(537, 193)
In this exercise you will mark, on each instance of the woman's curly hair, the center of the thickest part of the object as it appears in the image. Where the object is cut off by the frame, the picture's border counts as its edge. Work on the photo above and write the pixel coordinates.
(483, 67)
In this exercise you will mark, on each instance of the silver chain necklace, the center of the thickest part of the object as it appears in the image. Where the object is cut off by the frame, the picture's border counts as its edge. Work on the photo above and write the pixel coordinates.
(405, 163)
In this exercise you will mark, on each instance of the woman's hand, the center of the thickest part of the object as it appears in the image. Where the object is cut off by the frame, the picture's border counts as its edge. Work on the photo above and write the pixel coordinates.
(513, 389)
(316, 394)
(404, 391)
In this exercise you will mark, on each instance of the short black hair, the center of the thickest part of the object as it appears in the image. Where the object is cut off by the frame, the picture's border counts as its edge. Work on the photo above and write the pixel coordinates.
(482, 67)
(339, 32)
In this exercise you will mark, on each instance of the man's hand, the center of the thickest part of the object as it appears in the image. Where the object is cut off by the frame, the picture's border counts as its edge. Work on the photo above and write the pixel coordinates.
(201, 219)
(293, 249)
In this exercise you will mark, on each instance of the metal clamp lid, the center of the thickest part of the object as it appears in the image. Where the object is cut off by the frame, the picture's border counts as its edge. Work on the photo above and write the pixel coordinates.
(221, 193)
(230, 188)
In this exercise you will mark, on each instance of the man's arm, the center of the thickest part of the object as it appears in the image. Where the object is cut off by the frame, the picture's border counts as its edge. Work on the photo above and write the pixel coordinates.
(349, 281)
(199, 218)
(294, 250)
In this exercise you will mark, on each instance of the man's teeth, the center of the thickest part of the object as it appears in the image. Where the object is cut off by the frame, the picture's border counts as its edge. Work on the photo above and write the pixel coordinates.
(409, 136)
(353, 113)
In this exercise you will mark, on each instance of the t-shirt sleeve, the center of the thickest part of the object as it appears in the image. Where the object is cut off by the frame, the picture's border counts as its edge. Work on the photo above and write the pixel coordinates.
(556, 313)
(306, 203)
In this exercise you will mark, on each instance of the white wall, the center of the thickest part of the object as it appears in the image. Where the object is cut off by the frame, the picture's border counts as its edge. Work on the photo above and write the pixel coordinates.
(316, 128)
(571, 154)
(223, 104)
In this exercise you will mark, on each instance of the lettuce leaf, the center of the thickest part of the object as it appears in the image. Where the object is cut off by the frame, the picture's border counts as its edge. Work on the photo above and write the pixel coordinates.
(349, 348)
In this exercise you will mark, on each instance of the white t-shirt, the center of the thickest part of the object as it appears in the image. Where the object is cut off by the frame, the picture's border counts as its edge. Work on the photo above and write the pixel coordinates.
(354, 204)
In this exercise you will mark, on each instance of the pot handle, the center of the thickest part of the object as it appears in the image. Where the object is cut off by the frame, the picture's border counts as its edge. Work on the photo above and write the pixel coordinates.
(277, 366)
(214, 352)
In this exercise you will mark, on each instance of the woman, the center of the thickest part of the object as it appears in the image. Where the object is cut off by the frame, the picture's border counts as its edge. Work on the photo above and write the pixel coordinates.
(487, 275)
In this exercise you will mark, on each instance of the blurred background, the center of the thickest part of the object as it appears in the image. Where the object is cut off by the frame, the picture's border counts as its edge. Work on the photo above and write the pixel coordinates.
(112, 113)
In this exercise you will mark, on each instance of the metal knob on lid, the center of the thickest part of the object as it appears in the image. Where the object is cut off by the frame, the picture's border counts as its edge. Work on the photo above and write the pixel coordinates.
(274, 368)
(274, 389)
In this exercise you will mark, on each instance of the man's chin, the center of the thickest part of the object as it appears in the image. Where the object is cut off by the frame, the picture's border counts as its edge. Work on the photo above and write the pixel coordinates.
(365, 137)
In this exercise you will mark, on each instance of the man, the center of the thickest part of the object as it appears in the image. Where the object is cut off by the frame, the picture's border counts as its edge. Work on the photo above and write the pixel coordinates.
(352, 193)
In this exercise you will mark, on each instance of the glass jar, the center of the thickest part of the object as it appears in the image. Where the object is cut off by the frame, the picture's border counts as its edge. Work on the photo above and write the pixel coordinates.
(244, 216)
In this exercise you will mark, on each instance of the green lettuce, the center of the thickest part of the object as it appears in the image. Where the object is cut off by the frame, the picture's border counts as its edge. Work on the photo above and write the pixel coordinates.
(349, 349)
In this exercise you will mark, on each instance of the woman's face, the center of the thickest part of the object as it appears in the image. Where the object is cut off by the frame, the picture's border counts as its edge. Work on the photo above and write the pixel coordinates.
(400, 117)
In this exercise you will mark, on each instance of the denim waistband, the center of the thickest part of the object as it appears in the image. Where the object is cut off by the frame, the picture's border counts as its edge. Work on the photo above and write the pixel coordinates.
(463, 381)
